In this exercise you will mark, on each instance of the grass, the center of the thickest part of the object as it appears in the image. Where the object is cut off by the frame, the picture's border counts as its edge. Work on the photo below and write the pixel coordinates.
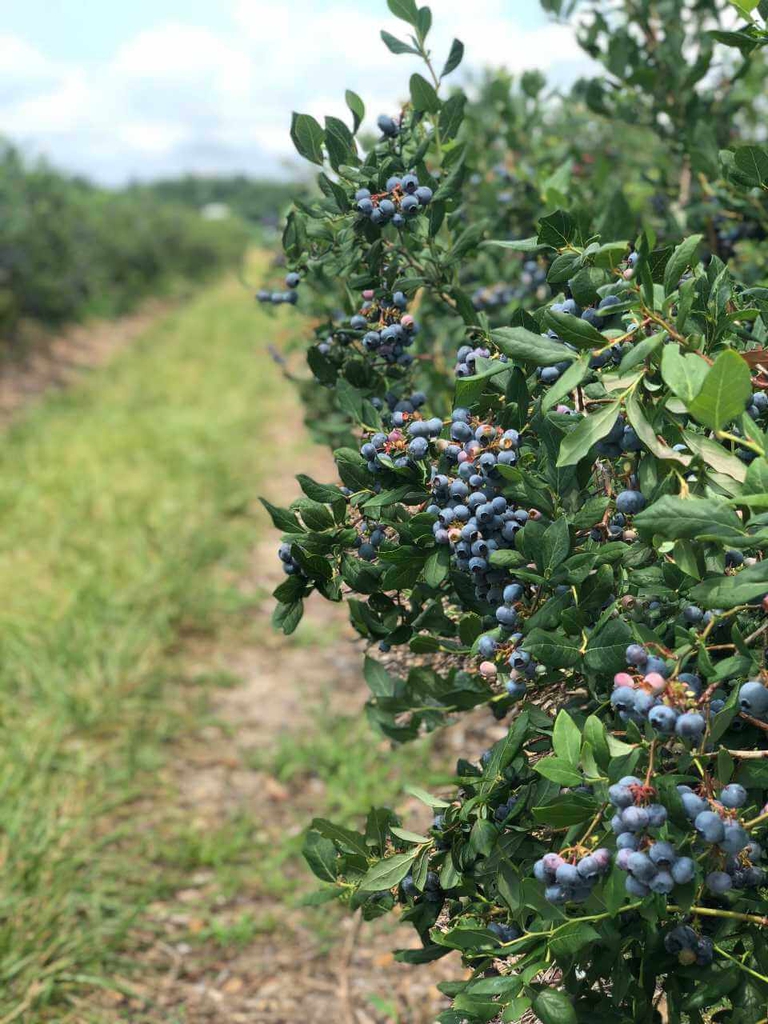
(126, 514)
(121, 502)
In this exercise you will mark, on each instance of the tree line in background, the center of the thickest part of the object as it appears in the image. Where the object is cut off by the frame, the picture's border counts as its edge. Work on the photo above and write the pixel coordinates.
(539, 352)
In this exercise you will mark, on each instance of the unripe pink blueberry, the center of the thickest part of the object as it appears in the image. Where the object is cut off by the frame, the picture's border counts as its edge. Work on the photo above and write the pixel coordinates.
(628, 275)
(488, 669)
(655, 681)
(623, 679)
(394, 435)
(368, 293)
(407, 320)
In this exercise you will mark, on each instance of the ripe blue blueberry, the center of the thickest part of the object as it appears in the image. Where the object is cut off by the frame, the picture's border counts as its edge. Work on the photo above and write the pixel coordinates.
(630, 502)
(733, 796)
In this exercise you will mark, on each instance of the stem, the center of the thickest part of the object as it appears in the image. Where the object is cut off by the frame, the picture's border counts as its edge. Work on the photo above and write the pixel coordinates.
(731, 915)
(740, 965)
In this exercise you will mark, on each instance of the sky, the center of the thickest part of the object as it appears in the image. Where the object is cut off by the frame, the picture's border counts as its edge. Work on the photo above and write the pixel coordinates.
(151, 88)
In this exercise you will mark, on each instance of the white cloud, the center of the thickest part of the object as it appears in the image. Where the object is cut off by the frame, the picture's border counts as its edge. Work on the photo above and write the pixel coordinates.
(181, 97)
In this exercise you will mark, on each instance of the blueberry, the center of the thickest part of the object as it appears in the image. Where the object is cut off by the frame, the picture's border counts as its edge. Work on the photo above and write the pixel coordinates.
(630, 502)
(506, 616)
(409, 183)
(641, 866)
(634, 819)
(663, 718)
(663, 882)
(567, 874)
(635, 887)
(718, 882)
(486, 646)
(365, 206)
(733, 796)
(753, 698)
(735, 838)
(663, 854)
(683, 870)
(691, 726)
(512, 593)
(418, 448)
(710, 826)
(386, 125)
(620, 796)
(292, 279)
(423, 194)
(636, 654)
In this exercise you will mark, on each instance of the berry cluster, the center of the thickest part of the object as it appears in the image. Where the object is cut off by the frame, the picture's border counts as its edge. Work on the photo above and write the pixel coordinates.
(670, 706)
(688, 947)
(280, 298)
(505, 649)
(401, 200)
(472, 516)
(401, 448)
(716, 824)
(290, 566)
(382, 327)
(467, 356)
(571, 880)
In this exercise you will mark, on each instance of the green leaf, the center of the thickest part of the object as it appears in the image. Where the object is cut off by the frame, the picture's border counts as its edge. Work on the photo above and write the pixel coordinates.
(455, 56)
(380, 682)
(340, 143)
(605, 649)
(320, 854)
(307, 136)
(397, 45)
(423, 95)
(356, 106)
(683, 374)
(641, 350)
(648, 436)
(555, 543)
(437, 566)
(680, 260)
(344, 838)
(286, 617)
(557, 229)
(590, 430)
(715, 456)
(675, 518)
(387, 873)
(565, 384)
(553, 649)
(526, 347)
(729, 591)
(426, 798)
(324, 493)
(518, 245)
(406, 10)
(452, 115)
(572, 937)
(725, 391)
(564, 811)
(566, 738)
(408, 837)
(575, 330)
(282, 518)
(559, 771)
(752, 163)
(553, 1007)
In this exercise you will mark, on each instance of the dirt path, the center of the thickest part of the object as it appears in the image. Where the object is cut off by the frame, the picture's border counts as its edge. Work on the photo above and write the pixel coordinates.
(40, 362)
(291, 964)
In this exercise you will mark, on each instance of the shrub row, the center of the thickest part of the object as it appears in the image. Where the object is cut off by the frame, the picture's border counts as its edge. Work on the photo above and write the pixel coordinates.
(551, 502)
(68, 248)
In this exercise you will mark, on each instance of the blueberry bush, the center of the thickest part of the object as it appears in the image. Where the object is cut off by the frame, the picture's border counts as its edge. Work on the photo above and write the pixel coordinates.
(539, 333)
